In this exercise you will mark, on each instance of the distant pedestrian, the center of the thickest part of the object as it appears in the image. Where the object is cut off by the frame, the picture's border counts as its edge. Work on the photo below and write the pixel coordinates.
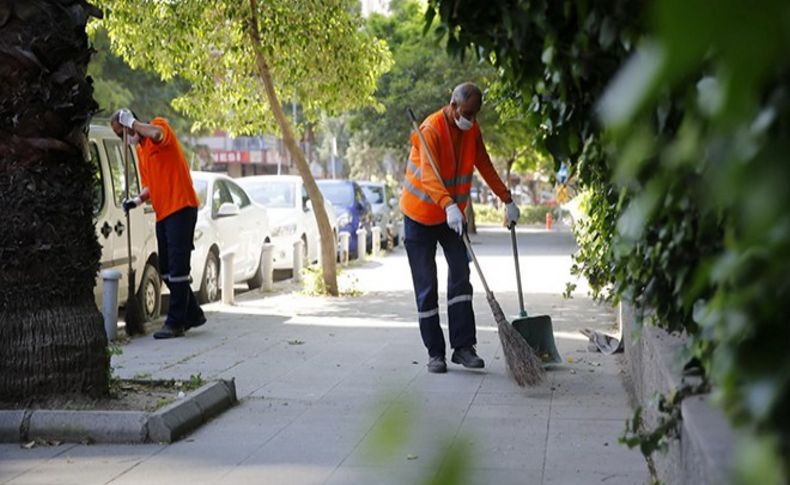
(433, 211)
(166, 181)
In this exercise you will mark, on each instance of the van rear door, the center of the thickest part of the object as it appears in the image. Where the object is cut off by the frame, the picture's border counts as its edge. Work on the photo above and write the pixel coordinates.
(104, 225)
(139, 225)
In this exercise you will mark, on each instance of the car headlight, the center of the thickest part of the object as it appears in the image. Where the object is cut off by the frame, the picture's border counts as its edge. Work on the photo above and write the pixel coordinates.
(344, 219)
(284, 230)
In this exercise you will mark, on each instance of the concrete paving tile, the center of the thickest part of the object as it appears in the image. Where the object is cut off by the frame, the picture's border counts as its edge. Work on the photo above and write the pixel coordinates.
(425, 438)
(594, 410)
(325, 446)
(190, 461)
(530, 411)
(504, 443)
(530, 397)
(591, 446)
(585, 477)
(498, 476)
(276, 474)
(16, 461)
(408, 473)
(83, 464)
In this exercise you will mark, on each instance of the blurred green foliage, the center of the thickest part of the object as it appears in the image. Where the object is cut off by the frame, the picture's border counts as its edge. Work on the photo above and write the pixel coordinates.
(676, 117)
(422, 77)
(116, 85)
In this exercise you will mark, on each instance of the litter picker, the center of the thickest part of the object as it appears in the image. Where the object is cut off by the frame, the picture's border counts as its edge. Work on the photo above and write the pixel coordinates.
(133, 315)
(522, 362)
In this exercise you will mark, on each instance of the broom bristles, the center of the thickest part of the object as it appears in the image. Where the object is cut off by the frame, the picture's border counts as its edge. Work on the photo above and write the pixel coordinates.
(522, 361)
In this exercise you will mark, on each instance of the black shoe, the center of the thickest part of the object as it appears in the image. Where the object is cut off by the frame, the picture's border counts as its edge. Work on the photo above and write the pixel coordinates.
(437, 365)
(467, 357)
(169, 332)
(200, 321)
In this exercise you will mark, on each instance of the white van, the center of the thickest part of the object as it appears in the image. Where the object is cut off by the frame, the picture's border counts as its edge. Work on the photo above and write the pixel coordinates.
(105, 151)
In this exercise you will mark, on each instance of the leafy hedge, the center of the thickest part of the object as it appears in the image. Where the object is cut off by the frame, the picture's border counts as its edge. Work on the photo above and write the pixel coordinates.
(686, 173)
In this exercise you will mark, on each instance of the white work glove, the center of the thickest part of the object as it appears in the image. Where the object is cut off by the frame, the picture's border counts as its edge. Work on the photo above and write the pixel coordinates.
(126, 118)
(511, 214)
(455, 219)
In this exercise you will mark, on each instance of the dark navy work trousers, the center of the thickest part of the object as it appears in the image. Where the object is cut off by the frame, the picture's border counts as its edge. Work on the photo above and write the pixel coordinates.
(421, 241)
(174, 236)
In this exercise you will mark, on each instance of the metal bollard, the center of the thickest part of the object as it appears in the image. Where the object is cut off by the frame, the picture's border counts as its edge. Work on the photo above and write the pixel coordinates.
(110, 278)
(362, 244)
(298, 260)
(268, 267)
(376, 235)
(345, 240)
(228, 297)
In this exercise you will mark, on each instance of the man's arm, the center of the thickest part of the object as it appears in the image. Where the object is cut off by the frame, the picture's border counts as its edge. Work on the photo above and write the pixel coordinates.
(487, 170)
(153, 132)
(145, 194)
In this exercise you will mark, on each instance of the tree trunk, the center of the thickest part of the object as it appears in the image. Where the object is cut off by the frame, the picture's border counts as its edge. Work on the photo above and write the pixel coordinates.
(328, 243)
(52, 339)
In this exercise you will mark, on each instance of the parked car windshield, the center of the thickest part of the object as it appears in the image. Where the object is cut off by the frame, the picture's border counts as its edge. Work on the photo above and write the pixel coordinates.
(201, 188)
(338, 194)
(273, 194)
(374, 194)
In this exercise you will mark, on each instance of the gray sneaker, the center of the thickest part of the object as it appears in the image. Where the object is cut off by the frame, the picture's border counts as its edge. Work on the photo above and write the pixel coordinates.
(467, 357)
(437, 365)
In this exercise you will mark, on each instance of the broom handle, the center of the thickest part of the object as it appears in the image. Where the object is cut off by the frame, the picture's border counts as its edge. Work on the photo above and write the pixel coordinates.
(125, 152)
(518, 270)
(468, 245)
(465, 237)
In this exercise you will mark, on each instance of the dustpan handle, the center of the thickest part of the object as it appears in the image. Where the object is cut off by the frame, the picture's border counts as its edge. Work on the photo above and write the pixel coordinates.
(518, 270)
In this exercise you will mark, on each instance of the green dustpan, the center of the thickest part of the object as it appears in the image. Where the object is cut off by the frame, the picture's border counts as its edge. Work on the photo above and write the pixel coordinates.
(537, 330)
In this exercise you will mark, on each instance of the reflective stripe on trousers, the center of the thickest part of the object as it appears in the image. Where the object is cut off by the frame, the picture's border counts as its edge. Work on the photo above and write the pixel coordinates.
(420, 242)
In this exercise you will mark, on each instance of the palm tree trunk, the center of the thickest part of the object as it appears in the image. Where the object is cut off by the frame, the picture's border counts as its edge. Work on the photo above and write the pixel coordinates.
(52, 339)
(328, 243)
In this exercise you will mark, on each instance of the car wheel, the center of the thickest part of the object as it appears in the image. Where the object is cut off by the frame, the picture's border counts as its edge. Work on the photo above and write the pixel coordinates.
(149, 293)
(209, 287)
(257, 279)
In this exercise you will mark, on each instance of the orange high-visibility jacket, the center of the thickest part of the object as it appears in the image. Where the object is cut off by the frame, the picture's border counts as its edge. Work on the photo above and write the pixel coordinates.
(456, 153)
(165, 171)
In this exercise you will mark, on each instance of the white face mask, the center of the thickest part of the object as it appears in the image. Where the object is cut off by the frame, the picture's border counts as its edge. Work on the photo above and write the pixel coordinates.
(133, 139)
(463, 124)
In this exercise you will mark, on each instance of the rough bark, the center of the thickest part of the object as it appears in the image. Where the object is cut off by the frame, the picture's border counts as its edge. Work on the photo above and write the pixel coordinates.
(328, 243)
(52, 337)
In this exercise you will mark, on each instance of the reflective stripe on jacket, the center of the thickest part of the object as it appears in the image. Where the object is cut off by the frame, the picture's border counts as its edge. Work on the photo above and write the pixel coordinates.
(423, 198)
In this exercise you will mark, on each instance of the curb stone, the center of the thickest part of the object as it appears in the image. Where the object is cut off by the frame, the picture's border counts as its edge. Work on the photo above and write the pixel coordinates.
(165, 425)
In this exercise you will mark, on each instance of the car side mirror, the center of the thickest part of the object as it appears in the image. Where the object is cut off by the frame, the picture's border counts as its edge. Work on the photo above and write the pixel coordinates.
(308, 205)
(228, 209)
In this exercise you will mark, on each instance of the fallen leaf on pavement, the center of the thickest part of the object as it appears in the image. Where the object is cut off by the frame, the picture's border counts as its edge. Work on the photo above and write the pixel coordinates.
(30, 445)
(411, 457)
(295, 342)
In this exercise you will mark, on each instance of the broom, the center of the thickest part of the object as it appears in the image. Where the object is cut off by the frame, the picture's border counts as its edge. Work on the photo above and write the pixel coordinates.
(133, 315)
(522, 362)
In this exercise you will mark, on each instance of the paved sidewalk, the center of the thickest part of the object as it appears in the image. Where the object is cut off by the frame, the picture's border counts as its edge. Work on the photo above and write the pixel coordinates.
(335, 391)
